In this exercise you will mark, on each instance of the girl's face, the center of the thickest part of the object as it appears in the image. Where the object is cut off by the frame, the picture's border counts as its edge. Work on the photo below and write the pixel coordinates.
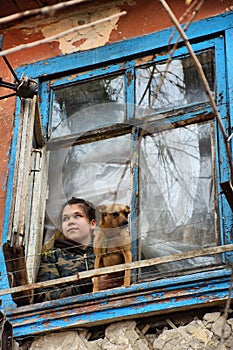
(75, 224)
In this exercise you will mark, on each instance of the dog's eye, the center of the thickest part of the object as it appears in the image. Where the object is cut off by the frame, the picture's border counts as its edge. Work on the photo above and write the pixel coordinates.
(115, 214)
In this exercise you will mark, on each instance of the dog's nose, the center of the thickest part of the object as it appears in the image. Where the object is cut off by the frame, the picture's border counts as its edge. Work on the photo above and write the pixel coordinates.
(124, 222)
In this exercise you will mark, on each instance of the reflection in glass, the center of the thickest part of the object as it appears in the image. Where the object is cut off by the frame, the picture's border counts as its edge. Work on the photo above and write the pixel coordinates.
(87, 105)
(98, 172)
(181, 86)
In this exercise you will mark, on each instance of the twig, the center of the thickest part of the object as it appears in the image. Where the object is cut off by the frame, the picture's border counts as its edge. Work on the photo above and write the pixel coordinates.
(202, 77)
(173, 51)
(46, 10)
(59, 35)
(145, 329)
(170, 323)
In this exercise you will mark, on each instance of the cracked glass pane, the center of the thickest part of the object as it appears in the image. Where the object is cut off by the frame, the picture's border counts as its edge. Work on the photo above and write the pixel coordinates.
(86, 106)
(177, 195)
(161, 87)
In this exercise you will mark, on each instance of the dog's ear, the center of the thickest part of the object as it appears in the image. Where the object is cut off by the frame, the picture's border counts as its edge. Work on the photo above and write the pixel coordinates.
(127, 209)
(102, 209)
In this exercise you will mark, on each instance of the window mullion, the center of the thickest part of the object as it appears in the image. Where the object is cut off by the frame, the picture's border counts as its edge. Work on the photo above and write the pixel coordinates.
(130, 92)
(134, 198)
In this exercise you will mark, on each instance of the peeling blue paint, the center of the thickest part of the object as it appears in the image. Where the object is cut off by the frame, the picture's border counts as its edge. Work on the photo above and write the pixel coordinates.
(201, 289)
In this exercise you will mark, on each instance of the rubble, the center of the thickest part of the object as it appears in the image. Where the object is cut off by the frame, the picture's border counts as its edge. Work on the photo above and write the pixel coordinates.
(213, 332)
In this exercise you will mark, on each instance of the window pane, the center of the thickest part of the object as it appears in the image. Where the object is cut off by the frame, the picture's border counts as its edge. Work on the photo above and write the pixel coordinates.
(181, 86)
(88, 105)
(177, 195)
(98, 172)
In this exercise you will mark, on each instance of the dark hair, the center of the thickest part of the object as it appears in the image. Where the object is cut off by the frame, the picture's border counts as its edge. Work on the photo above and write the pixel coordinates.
(88, 207)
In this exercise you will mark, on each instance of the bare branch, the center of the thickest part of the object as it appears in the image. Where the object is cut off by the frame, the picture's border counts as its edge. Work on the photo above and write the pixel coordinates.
(200, 3)
(202, 77)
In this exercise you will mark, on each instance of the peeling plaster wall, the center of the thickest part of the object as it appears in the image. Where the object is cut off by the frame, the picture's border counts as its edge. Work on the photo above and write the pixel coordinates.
(88, 38)
(142, 17)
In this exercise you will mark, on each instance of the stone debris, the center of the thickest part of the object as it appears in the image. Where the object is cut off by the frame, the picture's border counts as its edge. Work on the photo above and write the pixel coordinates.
(211, 333)
(118, 336)
(60, 341)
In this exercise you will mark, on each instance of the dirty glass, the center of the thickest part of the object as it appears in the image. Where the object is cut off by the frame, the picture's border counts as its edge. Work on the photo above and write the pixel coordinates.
(180, 87)
(89, 105)
(175, 181)
(98, 172)
(176, 189)
(177, 195)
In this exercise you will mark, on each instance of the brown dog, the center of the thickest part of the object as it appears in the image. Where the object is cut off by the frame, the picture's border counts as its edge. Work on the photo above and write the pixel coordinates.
(112, 243)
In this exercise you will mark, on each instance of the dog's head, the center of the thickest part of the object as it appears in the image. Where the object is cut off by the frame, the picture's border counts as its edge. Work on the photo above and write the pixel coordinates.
(113, 215)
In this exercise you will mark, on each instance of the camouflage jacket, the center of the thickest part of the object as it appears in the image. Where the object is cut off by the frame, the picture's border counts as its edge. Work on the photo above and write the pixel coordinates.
(65, 260)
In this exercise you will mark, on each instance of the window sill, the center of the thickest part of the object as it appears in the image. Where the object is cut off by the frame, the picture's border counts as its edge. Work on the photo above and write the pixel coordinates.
(143, 299)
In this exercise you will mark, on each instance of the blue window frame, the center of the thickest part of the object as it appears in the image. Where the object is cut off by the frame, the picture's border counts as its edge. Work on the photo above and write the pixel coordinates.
(122, 71)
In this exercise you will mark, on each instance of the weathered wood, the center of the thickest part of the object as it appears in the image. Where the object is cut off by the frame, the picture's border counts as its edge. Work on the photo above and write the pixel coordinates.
(26, 169)
(19, 214)
(17, 272)
(122, 267)
(38, 202)
(228, 191)
(25, 229)
(38, 127)
(90, 136)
